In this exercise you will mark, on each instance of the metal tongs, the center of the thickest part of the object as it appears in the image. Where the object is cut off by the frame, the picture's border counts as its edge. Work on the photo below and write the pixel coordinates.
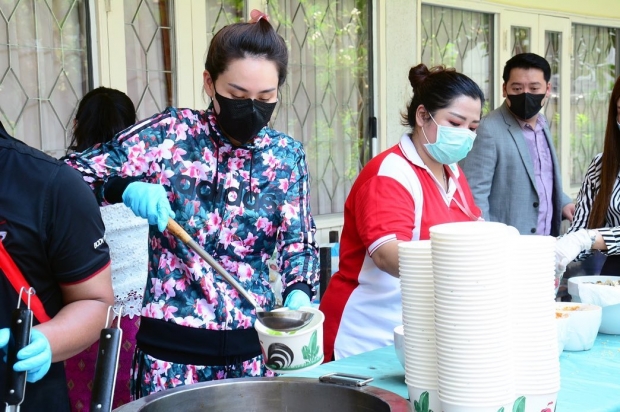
(21, 324)
(106, 364)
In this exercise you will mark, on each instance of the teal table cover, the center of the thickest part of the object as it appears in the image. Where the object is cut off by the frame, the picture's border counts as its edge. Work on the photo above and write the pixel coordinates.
(590, 380)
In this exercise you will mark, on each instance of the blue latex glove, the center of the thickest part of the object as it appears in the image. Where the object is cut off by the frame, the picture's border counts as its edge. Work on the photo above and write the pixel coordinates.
(149, 201)
(4, 339)
(297, 299)
(35, 358)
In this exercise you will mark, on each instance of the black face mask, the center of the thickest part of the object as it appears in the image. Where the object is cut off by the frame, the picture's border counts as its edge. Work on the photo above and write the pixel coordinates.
(242, 119)
(525, 105)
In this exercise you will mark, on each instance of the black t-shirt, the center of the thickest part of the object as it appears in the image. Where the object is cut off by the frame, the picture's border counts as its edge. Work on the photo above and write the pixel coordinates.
(51, 227)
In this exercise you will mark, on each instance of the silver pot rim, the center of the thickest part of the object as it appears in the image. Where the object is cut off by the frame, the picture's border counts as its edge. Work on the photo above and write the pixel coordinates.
(396, 402)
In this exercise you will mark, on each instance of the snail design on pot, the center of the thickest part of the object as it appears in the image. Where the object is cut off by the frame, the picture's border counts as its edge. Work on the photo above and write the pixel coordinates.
(279, 356)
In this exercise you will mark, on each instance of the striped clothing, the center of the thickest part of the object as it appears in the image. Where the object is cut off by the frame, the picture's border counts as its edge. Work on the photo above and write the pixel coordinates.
(585, 199)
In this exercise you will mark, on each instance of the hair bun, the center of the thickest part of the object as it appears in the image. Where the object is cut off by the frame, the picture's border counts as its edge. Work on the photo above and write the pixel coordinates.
(417, 75)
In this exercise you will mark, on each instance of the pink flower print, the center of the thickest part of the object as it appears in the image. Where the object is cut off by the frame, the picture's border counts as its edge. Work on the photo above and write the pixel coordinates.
(168, 288)
(204, 309)
(213, 222)
(160, 367)
(283, 185)
(220, 375)
(190, 375)
(175, 381)
(269, 373)
(180, 129)
(169, 312)
(243, 322)
(164, 177)
(227, 235)
(245, 272)
(202, 237)
(231, 181)
(295, 247)
(156, 289)
(235, 211)
(235, 163)
(209, 158)
(241, 249)
(154, 169)
(289, 212)
(189, 321)
(153, 310)
(195, 169)
(270, 174)
(210, 291)
(270, 160)
(251, 367)
(250, 240)
(162, 151)
(99, 164)
(177, 155)
(265, 141)
(160, 383)
(138, 150)
(283, 143)
(254, 184)
(262, 223)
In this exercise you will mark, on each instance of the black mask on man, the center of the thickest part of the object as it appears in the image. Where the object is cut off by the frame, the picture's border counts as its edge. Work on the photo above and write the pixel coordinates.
(525, 105)
(242, 119)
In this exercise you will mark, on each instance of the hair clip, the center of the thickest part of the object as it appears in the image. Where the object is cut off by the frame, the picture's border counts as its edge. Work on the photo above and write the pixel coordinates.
(256, 15)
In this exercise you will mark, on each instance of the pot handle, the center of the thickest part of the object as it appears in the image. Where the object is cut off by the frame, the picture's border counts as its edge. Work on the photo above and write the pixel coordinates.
(345, 379)
(106, 367)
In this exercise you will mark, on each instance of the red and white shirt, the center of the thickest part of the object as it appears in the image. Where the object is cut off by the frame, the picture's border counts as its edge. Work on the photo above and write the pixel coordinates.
(395, 197)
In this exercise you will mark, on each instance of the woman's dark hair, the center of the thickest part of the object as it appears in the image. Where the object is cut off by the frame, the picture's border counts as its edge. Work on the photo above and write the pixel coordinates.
(101, 114)
(240, 40)
(527, 61)
(436, 88)
(610, 163)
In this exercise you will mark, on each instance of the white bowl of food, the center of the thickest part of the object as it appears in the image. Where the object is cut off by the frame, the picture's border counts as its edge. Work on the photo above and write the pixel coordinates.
(610, 321)
(399, 343)
(562, 325)
(584, 321)
(296, 351)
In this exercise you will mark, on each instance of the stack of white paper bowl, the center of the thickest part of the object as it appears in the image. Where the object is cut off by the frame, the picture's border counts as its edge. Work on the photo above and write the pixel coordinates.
(416, 280)
(472, 317)
(537, 364)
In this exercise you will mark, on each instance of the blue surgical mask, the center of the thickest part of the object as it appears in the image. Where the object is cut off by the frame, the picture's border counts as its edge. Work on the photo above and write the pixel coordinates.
(452, 143)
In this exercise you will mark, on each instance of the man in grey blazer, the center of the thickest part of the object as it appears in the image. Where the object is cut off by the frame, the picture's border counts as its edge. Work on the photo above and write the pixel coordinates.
(512, 168)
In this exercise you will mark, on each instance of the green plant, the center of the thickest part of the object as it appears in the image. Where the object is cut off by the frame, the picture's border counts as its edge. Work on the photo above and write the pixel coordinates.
(311, 351)
(422, 404)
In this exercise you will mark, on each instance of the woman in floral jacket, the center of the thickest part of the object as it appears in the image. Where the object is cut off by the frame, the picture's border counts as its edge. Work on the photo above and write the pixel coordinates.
(239, 188)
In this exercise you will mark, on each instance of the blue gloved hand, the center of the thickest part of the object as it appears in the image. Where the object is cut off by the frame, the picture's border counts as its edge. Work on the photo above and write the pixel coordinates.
(149, 201)
(35, 358)
(5, 333)
(297, 299)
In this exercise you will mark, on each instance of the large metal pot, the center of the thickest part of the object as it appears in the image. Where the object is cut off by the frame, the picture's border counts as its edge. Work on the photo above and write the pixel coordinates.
(269, 394)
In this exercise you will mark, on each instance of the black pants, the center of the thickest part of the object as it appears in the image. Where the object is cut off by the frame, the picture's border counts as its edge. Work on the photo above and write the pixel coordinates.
(611, 267)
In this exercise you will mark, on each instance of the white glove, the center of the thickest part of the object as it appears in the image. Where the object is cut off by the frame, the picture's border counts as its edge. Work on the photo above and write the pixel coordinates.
(569, 246)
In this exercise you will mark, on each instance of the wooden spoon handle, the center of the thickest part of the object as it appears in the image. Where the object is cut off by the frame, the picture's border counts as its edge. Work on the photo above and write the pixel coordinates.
(179, 232)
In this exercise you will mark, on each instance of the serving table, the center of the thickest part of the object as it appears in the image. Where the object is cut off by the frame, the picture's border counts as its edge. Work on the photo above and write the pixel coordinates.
(590, 380)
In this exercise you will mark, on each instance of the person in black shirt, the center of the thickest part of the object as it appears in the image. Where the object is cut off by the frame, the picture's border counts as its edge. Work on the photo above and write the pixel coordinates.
(51, 233)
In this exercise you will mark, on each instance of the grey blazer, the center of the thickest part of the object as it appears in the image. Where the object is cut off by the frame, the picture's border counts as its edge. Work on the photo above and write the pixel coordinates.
(500, 172)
